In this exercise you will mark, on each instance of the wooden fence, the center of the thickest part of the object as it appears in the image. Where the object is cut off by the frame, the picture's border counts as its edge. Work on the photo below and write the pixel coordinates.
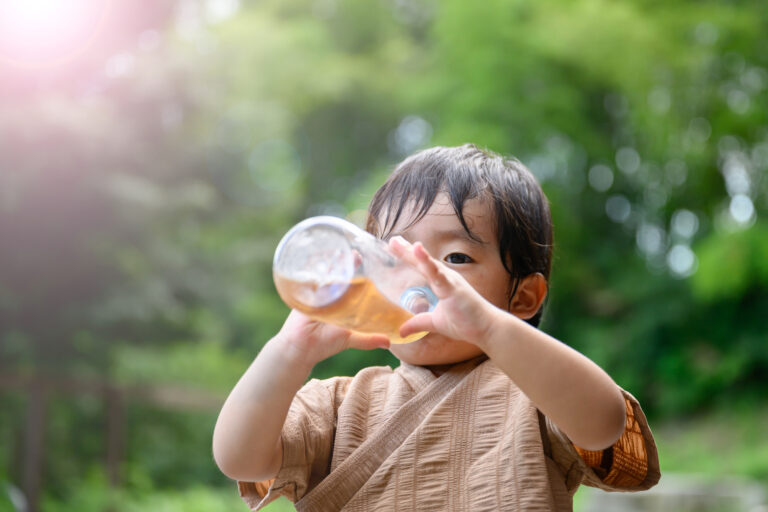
(38, 388)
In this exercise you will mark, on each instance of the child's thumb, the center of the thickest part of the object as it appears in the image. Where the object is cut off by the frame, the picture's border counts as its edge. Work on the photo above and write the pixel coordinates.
(419, 323)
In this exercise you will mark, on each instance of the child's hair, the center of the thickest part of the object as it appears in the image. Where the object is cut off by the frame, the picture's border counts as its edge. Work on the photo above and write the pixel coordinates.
(524, 223)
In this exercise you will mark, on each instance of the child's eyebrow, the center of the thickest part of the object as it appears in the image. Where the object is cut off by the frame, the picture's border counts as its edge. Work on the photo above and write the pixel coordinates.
(447, 234)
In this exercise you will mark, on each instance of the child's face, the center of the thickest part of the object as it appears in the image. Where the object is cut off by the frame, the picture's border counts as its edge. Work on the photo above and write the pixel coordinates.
(442, 234)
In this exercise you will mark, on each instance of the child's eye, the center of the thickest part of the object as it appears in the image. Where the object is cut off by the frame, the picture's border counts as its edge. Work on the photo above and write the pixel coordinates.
(458, 258)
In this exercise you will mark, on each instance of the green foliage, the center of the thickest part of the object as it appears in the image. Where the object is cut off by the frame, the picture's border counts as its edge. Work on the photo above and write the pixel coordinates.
(205, 366)
(139, 209)
(732, 264)
(94, 494)
(736, 434)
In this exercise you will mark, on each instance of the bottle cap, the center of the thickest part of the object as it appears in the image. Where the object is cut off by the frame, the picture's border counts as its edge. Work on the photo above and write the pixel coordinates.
(418, 299)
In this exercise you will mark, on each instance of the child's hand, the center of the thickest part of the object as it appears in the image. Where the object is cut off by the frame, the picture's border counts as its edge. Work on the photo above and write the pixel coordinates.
(461, 311)
(310, 341)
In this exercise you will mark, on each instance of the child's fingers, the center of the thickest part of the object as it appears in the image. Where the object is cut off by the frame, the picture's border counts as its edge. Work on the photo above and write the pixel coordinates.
(402, 249)
(419, 323)
(418, 256)
(367, 341)
(432, 270)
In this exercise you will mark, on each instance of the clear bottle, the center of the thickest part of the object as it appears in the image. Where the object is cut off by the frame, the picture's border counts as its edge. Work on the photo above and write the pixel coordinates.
(335, 272)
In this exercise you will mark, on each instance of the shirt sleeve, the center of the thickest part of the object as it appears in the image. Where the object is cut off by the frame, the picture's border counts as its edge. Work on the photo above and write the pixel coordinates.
(631, 464)
(307, 439)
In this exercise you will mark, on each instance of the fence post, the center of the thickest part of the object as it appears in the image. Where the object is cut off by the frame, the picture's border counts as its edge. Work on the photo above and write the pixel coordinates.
(34, 439)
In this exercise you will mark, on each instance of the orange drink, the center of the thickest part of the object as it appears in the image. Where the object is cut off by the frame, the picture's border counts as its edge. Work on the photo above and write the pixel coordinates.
(361, 307)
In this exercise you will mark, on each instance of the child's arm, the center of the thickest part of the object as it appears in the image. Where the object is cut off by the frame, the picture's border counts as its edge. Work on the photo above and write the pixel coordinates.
(246, 439)
(570, 389)
(575, 393)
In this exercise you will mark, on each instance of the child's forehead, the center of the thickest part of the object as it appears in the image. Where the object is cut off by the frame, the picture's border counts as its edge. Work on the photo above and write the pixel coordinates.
(441, 215)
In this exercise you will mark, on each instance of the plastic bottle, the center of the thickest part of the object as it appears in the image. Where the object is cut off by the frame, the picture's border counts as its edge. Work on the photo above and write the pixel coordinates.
(335, 272)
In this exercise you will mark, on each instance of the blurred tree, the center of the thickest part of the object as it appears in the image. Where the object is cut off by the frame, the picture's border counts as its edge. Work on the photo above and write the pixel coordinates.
(142, 194)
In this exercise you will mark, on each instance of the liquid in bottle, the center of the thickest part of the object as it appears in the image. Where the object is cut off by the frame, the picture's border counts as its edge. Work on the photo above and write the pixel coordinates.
(361, 307)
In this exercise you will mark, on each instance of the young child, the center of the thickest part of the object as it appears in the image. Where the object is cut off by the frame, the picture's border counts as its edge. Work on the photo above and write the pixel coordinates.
(485, 413)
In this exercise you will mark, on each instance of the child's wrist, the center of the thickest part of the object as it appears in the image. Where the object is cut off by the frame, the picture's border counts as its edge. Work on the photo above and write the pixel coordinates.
(290, 354)
(493, 321)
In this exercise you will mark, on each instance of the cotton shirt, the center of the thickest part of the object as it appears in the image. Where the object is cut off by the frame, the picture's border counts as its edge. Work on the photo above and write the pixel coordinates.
(469, 439)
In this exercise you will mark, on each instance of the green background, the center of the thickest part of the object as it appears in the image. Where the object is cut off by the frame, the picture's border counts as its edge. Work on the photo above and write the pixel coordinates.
(147, 173)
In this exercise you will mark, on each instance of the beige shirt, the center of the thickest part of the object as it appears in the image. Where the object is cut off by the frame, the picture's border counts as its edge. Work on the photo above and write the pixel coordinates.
(469, 439)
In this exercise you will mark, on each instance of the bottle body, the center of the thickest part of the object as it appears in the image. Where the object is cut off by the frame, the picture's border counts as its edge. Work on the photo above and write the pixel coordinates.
(335, 272)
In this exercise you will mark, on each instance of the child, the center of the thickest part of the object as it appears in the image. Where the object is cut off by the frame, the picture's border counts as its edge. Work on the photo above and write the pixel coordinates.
(484, 413)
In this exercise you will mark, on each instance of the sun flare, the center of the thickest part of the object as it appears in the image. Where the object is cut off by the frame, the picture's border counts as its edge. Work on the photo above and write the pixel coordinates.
(48, 32)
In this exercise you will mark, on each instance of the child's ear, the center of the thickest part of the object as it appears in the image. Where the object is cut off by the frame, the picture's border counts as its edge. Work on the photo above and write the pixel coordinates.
(530, 294)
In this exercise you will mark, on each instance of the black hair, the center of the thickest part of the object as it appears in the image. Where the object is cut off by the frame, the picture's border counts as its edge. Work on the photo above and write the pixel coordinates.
(523, 219)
